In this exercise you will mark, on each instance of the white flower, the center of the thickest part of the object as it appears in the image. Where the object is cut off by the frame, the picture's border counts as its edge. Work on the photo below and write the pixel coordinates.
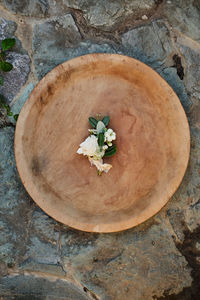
(109, 144)
(89, 147)
(105, 147)
(100, 165)
(110, 135)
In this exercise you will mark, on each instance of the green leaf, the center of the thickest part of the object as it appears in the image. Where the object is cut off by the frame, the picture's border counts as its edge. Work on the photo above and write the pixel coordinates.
(106, 120)
(111, 151)
(111, 148)
(16, 117)
(101, 139)
(2, 54)
(93, 122)
(5, 66)
(100, 127)
(4, 105)
(1, 80)
(7, 107)
(7, 44)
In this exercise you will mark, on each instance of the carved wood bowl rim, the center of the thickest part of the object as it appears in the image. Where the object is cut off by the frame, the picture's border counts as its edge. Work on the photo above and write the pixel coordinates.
(24, 168)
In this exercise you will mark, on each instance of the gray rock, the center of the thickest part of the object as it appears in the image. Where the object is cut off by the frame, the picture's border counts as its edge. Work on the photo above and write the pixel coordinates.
(51, 42)
(177, 220)
(184, 15)
(15, 204)
(45, 227)
(3, 117)
(191, 53)
(7, 28)
(20, 101)
(3, 269)
(61, 32)
(149, 43)
(17, 105)
(187, 194)
(13, 238)
(17, 77)
(13, 197)
(6, 243)
(170, 75)
(184, 207)
(96, 13)
(185, 202)
(28, 7)
(116, 266)
(41, 252)
(36, 8)
(50, 49)
(74, 241)
(39, 288)
(102, 13)
(106, 13)
(190, 194)
(31, 265)
(194, 113)
(192, 216)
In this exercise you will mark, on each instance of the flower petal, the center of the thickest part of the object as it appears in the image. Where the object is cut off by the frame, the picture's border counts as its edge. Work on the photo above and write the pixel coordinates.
(80, 151)
(109, 131)
(100, 165)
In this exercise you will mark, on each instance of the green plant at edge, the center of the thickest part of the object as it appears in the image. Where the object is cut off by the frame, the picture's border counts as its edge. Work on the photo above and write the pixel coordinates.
(5, 66)
(7, 108)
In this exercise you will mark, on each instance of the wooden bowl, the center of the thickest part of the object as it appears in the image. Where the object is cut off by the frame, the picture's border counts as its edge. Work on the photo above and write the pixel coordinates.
(152, 137)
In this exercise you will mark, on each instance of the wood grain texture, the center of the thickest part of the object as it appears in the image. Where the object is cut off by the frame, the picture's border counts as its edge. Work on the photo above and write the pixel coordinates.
(152, 137)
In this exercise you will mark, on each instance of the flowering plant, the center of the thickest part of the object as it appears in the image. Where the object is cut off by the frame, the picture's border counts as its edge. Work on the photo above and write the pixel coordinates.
(99, 144)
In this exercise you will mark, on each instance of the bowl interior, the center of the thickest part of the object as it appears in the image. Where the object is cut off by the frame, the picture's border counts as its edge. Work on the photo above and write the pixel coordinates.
(152, 139)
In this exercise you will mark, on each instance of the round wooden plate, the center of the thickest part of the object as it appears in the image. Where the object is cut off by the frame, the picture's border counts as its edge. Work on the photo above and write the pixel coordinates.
(152, 137)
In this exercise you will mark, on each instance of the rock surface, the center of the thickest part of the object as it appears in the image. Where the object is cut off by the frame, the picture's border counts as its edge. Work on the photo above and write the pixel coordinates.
(97, 13)
(35, 8)
(184, 17)
(45, 62)
(107, 13)
(39, 288)
(17, 77)
(43, 259)
(149, 43)
(14, 202)
(125, 261)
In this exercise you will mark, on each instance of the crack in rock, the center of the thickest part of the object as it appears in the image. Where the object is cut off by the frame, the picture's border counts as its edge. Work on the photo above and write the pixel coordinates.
(188, 248)
(178, 66)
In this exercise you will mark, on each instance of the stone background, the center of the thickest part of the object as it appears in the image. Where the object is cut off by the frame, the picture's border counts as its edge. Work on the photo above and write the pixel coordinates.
(43, 259)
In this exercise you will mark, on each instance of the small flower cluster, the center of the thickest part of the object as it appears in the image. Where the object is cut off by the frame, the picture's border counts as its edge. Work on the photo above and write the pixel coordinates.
(99, 144)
